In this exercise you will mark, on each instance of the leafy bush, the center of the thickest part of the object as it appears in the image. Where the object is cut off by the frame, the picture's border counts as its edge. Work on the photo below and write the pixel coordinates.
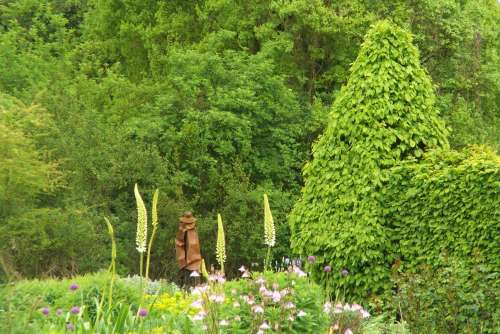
(383, 115)
(446, 201)
(452, 298)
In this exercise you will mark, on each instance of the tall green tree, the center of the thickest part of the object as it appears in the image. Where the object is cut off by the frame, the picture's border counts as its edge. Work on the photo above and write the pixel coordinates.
(385, 114)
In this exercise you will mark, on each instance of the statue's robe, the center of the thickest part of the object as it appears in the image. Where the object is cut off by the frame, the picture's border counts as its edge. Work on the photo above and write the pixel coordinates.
(187, 245)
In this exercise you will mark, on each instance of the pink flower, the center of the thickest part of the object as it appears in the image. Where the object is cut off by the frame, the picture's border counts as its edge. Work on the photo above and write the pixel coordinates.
(199, 316)
(301, 313)
(276, 296)
(348, 331)
(258, 309)
(142, 312)
(197, 304)
(299, 272)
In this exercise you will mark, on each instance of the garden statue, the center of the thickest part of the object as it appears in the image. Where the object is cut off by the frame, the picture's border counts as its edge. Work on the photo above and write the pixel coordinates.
(187, 246)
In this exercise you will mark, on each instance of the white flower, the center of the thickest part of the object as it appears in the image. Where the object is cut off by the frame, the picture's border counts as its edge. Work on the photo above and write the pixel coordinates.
(246, 274)
(237, 318)
(199, 290)
(291, 318)
(224, 322)
(242, 269)
(364, 314)
(356, 307)
(220, 249)
(289, 305)
(260, 280)
(236, 304)
(269, 232)
(219, 299)
(142, 222)
(348, 331)
(264, 326)
(327, 307)
(301, 313)
(194, 274)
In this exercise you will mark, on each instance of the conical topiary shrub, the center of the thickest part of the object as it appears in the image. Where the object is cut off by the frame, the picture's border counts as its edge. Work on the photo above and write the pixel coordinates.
(383, 115)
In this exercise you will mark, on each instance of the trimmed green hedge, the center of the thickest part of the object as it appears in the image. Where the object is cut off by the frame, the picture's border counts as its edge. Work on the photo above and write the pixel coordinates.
(448, 202)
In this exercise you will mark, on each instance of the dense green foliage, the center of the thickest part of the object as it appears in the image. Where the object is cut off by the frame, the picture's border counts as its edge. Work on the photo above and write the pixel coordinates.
(451, 297)
(213, 102)
(385, 114)
(447, 202)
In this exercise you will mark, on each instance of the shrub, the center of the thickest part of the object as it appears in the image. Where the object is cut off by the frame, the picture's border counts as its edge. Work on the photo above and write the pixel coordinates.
(447, 201)
(452, 298)
(383, 115)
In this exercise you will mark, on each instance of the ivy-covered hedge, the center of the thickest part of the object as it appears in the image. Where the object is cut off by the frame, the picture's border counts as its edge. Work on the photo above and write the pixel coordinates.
(384, 114)
(448, 202)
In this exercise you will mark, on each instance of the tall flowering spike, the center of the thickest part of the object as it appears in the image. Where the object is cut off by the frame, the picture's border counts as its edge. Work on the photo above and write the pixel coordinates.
(269, 232)
(111, 233)
(154, 212)
(204, 271)
(142, 222)
(221, 243)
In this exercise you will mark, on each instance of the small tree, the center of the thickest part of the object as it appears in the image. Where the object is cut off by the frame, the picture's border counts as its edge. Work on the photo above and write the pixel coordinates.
(385, 114)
